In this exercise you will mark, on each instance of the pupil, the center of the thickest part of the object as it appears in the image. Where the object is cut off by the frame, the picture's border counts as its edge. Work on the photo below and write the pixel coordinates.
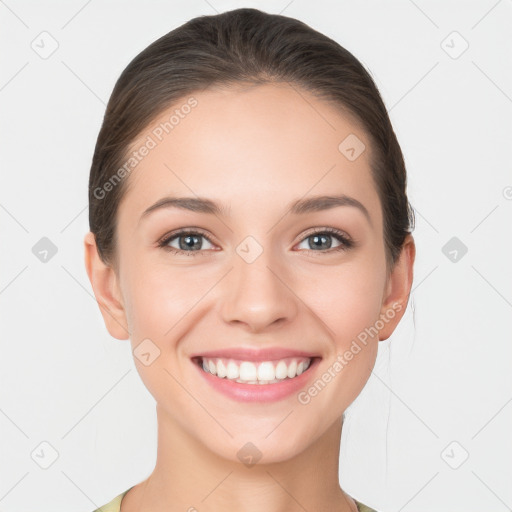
(316, 238)
(189, 244)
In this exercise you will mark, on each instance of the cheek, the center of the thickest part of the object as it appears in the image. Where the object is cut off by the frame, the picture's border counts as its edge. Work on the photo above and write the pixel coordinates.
(158, 298)
(348, 299)
(348, 302)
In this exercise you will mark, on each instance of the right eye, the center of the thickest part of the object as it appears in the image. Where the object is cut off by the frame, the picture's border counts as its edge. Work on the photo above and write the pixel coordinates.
(186, 240)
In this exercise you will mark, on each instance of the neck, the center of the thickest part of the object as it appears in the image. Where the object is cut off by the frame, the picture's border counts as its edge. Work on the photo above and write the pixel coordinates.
(190, 477)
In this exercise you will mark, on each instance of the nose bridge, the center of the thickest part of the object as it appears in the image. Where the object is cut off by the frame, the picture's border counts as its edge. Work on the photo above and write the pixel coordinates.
(257, 293)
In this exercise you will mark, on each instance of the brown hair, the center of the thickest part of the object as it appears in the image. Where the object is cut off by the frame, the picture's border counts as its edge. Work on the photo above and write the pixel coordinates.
(242, 46)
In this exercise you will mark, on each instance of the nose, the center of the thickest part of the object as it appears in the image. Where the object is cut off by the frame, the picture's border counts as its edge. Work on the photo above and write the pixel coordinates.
(258, 294)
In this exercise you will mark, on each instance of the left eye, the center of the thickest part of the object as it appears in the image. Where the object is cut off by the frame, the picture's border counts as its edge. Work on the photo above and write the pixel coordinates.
(322, 238)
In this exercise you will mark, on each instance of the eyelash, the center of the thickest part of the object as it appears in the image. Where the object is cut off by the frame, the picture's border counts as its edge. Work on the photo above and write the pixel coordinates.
(346, 242)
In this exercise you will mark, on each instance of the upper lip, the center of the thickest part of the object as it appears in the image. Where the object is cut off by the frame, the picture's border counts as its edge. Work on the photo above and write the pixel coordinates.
(255, 354)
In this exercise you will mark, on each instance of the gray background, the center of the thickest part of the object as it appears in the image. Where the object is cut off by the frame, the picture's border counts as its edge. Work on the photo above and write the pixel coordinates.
(431, 431)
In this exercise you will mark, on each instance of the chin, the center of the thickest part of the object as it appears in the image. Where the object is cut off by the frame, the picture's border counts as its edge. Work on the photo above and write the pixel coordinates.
(250, 451)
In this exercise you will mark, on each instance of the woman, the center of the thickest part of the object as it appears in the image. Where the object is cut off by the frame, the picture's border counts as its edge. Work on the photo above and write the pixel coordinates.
(250, 234)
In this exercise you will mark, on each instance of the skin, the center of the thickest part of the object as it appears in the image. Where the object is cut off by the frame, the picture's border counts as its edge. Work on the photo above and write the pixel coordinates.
(255, 150)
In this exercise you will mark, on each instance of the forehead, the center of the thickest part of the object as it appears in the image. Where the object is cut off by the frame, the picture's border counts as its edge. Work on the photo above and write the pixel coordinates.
(253, 148)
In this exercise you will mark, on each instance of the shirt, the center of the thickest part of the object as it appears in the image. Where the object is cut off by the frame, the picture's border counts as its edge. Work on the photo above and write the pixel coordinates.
(115, 505)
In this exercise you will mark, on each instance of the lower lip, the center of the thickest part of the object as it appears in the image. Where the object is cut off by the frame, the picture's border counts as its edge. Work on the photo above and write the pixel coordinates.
(259, 392)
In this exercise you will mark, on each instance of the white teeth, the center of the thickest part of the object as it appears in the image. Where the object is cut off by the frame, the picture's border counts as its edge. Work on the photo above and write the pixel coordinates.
(281, 370)
(248, 372)
(221, 369)
(292, 370)
(266, 371)
(233, 370)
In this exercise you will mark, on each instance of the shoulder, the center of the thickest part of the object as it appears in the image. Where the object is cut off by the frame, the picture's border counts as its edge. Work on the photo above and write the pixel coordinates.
(113, 505)
(363, 508)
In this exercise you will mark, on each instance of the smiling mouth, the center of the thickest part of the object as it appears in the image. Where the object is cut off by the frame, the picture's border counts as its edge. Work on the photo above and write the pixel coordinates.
(255, 372)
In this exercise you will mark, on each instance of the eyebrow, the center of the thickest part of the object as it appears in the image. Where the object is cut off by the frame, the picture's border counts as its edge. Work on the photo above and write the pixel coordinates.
(298, 207)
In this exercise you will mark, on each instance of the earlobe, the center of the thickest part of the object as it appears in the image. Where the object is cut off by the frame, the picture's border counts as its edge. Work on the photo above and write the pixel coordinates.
(106, 290)
(398, 289)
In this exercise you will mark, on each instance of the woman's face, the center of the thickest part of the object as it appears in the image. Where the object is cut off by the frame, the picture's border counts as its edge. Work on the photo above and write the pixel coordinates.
(256, 276)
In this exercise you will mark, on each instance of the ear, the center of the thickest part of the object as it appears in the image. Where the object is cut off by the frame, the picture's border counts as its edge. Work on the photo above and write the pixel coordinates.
(398, 288)
(106, 289)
